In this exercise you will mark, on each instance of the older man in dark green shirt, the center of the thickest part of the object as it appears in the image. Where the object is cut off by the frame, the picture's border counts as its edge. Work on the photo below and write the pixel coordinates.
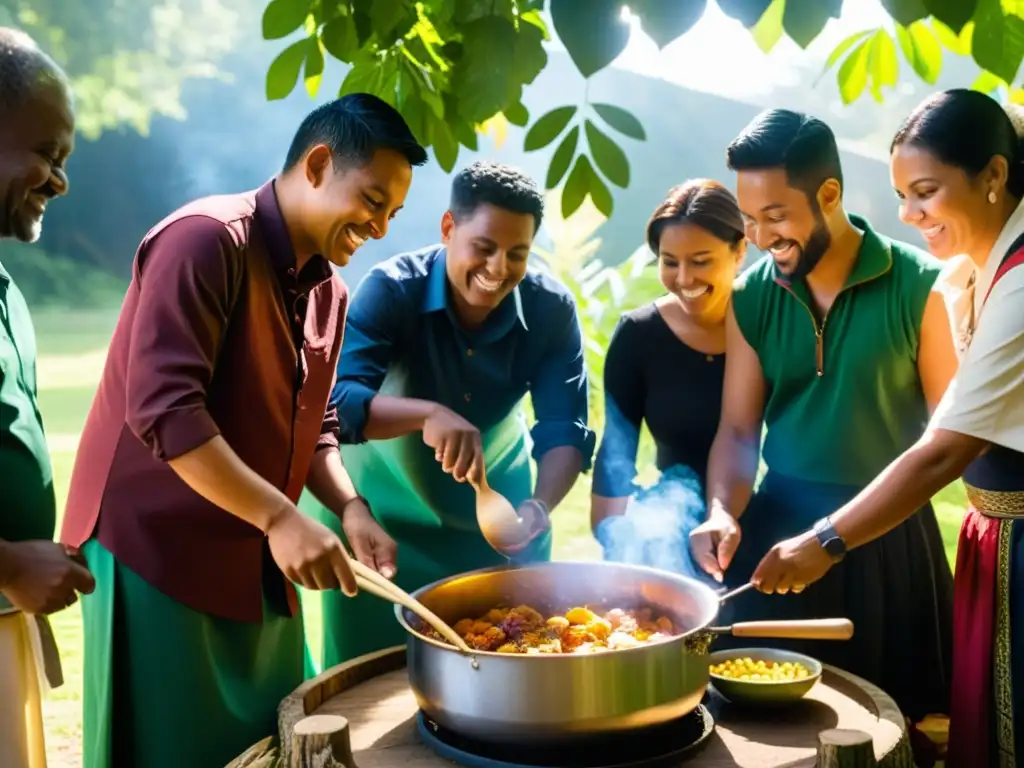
(37, 577)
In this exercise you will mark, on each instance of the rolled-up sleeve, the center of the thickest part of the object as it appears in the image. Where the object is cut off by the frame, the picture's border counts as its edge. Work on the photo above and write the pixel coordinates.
(187, 278)
(559, 390)
(330, 431)
(372, 333)
(615, 466)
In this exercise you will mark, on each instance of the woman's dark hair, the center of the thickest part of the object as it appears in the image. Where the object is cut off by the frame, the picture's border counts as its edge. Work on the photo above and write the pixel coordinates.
(966, 129)
(702, 202)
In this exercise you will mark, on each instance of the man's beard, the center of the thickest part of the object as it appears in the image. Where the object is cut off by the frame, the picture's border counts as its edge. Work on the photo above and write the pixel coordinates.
(811, 252)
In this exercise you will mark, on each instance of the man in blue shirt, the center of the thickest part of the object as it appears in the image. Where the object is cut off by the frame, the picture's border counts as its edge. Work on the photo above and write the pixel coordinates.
(441, 345)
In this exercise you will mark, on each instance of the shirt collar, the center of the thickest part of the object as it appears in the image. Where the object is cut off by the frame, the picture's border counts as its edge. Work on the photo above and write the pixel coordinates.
(4, 276)
(1012, 229)
(874, 257)
(279, 243)
(497, 324)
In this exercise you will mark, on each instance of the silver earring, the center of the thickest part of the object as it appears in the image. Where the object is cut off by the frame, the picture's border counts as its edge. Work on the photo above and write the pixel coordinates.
(991, 196)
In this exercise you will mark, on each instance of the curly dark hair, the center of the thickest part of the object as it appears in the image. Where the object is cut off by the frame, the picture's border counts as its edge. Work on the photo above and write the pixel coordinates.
(489, 183)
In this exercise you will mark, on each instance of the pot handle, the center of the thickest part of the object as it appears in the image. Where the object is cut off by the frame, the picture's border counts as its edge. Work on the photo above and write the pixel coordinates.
(811, 629)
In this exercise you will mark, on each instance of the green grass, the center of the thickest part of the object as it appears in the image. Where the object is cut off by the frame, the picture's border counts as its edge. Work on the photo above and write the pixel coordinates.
(68, 370)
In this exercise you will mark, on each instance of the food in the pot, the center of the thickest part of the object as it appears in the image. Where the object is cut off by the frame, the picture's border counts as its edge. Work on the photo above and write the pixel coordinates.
(760, 671)
(524, 629)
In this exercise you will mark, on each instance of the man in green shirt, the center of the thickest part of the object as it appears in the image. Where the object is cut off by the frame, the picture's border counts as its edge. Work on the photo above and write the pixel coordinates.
(37, 576)
(839, 343)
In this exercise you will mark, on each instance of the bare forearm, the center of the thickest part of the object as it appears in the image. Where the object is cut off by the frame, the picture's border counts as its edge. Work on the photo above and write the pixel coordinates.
(901, 489)
(603, 507)
(390, 417)
(557, 473)
(329, 482)
(215, 472)
(732, 468)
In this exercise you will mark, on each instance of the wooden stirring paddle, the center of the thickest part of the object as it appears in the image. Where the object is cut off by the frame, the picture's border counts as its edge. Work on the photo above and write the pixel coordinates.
(371, 581)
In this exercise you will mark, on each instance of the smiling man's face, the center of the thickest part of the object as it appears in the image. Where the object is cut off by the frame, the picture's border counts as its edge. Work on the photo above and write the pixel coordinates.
(36, 138)
(783, 221)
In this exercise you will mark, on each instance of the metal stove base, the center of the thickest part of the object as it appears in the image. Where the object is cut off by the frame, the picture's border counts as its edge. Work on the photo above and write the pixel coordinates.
(660, 747)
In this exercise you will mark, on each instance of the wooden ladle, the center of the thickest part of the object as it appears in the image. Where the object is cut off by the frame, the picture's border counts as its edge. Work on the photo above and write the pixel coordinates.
(499, 523)
(369, 580)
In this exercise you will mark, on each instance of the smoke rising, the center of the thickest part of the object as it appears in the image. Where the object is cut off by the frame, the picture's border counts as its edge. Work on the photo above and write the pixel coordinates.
(655, 529)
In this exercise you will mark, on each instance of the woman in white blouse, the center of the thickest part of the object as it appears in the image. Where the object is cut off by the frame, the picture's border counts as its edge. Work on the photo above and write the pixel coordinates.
(958, 168)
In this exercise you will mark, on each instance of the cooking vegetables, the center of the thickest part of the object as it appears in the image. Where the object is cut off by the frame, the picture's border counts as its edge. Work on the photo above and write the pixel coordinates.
(523, 629)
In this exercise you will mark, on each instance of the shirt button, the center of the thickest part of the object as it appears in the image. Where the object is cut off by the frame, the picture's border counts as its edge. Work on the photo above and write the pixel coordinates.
(468, 397)
(469, 352)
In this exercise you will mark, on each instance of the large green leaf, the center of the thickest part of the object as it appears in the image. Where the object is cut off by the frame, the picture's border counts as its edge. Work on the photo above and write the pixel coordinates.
(803, 20)
(547, 128)
(883, 65)
(576, 186)
(905, 12)
(314, 69)
(528, 56)
(339, 38)
(283, 72)
(853, 74)
(282, 17)
(594, 33)
(998, 43)
(748, 12)
(841, 49)
(664, 22)
(446, 148)
(518, 114)
(921, 49)
(601, 196)
(608, 156)
(386, 16)
(485, 77)
(986, 82)
(953, 13)
(562, 157)
(373, 74)
(621, 120)
(768, 30)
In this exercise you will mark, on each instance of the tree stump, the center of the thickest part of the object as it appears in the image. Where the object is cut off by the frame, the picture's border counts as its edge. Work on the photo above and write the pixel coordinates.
(321, 741)
(844, 748)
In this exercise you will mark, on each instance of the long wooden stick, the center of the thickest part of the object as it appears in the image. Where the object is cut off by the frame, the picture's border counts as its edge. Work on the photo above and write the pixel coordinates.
(375, 584)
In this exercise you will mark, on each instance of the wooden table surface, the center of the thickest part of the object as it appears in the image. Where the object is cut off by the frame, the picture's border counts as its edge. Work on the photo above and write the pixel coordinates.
(372, 693)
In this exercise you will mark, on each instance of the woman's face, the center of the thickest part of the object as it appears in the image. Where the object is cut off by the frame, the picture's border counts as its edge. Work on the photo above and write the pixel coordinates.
(698, 269)
(950, 208)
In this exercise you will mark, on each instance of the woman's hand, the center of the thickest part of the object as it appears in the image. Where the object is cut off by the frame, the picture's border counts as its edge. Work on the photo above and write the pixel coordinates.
(791, 565)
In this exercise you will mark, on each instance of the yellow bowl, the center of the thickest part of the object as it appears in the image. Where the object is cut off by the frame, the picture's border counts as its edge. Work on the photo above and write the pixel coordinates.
(764, 691)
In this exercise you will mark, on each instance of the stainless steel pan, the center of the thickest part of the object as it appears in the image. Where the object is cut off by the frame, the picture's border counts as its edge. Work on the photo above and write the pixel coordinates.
(538, 698)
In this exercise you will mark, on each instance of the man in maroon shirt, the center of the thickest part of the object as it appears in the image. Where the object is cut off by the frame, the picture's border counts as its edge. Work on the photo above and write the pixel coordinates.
(208, 422)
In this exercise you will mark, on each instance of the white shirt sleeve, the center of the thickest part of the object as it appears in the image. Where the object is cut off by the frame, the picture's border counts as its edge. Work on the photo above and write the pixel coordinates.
(986, 397)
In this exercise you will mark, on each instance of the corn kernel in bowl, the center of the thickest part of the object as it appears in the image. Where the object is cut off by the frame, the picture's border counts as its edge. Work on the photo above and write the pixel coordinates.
(748, 670)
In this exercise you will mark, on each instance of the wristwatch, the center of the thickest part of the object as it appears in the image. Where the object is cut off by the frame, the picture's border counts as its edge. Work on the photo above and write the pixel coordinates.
(830, 540)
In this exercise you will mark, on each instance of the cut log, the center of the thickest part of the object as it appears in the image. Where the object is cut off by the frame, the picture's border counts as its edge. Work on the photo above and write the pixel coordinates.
(321, 741)
(845, 748)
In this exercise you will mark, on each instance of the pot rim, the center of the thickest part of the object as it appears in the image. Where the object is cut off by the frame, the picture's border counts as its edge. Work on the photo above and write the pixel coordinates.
(639, 569)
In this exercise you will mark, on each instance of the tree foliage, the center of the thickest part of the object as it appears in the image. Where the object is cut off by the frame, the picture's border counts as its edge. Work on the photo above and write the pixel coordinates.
(456, 68)
(128, 59)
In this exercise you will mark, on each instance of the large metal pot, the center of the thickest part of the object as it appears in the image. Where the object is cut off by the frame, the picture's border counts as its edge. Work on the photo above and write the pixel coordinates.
(539, 698)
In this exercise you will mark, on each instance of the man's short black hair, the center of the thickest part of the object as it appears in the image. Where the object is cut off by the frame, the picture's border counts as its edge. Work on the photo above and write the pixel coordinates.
(24, 68)
(802, 145)
(354, 127)
(488, 183)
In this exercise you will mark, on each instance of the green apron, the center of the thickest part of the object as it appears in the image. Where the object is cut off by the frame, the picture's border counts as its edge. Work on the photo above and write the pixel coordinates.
(168, 687)
(28, 507)
(430, 516)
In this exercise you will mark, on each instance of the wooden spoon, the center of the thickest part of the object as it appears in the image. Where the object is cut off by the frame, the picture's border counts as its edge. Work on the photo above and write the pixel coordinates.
(503, 529)
(371, 581)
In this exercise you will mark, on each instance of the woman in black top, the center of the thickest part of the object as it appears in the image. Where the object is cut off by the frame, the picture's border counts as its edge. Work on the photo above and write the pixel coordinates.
(665, 366)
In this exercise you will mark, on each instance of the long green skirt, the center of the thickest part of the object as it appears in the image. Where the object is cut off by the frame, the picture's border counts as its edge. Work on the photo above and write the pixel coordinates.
(169, 687)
